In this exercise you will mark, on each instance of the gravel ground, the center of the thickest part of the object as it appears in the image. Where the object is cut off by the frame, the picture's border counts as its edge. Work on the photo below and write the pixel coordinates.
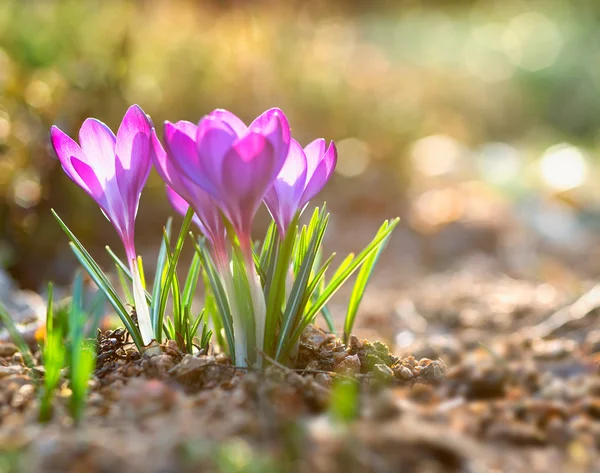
(486, 374)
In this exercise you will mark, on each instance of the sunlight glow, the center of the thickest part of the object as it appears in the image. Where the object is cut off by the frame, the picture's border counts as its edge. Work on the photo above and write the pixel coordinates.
(563, 167)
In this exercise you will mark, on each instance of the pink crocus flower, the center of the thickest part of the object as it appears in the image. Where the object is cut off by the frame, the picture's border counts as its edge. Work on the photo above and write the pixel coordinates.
(113, 171)
(304, 174)
(235, 164)
(182, 193)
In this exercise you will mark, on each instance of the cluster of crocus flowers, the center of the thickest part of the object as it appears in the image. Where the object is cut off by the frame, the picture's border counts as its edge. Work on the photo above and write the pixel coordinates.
(222, 169)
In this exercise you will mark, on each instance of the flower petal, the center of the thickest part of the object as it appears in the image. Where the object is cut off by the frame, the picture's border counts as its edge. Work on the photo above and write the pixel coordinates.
(283, 198)
(132, 148)
(214, 139)
(234, 122)
(109, 200)
(180, 142)
(98, 144)
(315, 151)
(323, 171)
(165, 166)
(207, 213)
(265, 124)
(66, 148)
(247, 171)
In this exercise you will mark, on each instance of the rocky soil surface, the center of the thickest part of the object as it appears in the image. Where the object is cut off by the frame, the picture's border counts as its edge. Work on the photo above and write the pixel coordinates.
(486, 374)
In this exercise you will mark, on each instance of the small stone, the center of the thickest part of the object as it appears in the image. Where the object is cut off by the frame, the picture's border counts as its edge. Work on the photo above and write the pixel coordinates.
(404, 373)
(349, 366)
(323, 379)
(313, 336)
(6, 371)
(354, 345)
(7, 349)
(339, 356)
(383, 372)
(157, 366)
(17, 358)
(22, 397)
(195, 372)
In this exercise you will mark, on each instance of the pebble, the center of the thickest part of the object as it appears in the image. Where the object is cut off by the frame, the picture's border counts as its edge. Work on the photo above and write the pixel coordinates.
(404, 373)
(383, 372)
(354, 344)
(6, 371)
(157, 366)
(7, 349)
(349, 366)
(323, 379)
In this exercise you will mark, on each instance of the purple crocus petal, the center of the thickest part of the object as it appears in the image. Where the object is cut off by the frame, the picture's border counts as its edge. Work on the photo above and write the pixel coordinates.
(247, 171)
(166, 167)
(283, 199)
(264, 123)
(235, 123)
(321, 173)
(66, 149)
(98, 144)
(273, 124)
(214, 139)
(206, 211)
(314, 151)
(132, 151)
(180, 143)
(86, 173)
(181, 207)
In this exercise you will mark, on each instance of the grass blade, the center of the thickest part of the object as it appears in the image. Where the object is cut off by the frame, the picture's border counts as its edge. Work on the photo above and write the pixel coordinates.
(297, 299)
(275, 288)
(102, 282)
(158, 278)
(342, 277)
(167, 282)
(361, 284)
(219, 294)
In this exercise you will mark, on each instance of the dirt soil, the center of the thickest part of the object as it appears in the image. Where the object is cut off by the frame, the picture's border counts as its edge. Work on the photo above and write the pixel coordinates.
(487, 375)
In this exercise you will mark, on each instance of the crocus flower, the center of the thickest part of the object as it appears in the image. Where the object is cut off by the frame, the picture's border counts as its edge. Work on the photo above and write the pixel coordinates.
(233, 163)
(236, 165)
(182, 193)
(304, 174)
(113, 171)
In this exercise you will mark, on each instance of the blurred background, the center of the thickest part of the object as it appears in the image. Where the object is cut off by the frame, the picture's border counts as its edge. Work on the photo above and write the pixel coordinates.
(477, 122)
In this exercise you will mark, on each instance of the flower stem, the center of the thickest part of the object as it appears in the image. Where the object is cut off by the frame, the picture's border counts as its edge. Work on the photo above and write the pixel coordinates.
(139, 298)
(258, 298)
(240, 353)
